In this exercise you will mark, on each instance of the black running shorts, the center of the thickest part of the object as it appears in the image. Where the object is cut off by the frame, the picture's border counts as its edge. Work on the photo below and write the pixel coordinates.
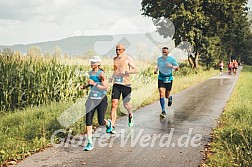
(167, 86)
(125, 90)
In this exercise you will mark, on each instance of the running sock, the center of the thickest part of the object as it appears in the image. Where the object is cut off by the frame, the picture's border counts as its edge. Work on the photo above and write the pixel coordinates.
(89, 138)
(162, 103)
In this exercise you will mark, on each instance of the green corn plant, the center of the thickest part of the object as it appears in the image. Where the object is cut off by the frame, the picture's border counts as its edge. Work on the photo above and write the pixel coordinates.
(29, 81)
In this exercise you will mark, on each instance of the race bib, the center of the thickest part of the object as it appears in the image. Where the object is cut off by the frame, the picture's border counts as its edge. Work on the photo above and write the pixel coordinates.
(167, 79)
(96, 94)
(119, 79)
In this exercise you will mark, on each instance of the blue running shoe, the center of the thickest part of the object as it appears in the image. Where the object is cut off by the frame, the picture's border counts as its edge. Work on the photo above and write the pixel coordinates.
(170, 101)
(109, 127)
(113, 130)
(130, 120)
(88, 147)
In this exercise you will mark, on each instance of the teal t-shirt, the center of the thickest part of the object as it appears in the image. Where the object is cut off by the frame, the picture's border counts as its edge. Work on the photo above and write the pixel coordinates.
(165, 71)
(95, 92)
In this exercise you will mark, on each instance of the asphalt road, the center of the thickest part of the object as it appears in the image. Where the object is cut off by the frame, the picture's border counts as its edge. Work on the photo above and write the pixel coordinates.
(177, 140)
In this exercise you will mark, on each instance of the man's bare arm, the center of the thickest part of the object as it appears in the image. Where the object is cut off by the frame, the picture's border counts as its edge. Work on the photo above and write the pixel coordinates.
(132, 65)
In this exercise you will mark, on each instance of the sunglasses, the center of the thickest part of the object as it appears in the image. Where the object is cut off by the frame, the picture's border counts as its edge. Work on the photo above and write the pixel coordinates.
(118, 49)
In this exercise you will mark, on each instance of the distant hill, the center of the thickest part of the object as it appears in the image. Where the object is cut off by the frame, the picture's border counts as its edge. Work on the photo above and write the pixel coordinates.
(140, 45)
(72, 45)
(136, 44)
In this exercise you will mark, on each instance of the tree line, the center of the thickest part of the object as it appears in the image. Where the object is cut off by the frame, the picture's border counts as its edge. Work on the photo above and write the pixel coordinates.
(217, 30)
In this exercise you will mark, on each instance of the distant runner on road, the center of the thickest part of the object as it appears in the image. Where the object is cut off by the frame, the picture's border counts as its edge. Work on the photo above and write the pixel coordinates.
(165, 65)
(235, 66)
(221, 66)
(230, 68)
(123, 67)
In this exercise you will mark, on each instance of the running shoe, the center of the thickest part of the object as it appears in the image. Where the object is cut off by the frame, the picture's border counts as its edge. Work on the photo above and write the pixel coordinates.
(170, 101)
(109, 127)
(88, 147)
(112, 130)
(163, 114)
(130, 120)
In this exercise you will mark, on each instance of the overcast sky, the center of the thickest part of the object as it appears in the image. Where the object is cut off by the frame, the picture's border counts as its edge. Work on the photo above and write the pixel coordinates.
(30, 21)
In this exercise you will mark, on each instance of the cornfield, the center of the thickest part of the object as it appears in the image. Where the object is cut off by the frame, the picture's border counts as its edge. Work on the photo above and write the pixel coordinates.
(31, 81)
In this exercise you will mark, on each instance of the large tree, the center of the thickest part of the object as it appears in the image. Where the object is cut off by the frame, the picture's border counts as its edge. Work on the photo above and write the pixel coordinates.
(228, 20)
(212, 27)
(187, 17)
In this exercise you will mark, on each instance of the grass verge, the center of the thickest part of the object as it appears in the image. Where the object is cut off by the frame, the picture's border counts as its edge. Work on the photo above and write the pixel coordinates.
(232, 139)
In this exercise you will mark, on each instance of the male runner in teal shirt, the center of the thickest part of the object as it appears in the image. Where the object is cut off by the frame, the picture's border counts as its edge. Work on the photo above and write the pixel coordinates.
(165, 65)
